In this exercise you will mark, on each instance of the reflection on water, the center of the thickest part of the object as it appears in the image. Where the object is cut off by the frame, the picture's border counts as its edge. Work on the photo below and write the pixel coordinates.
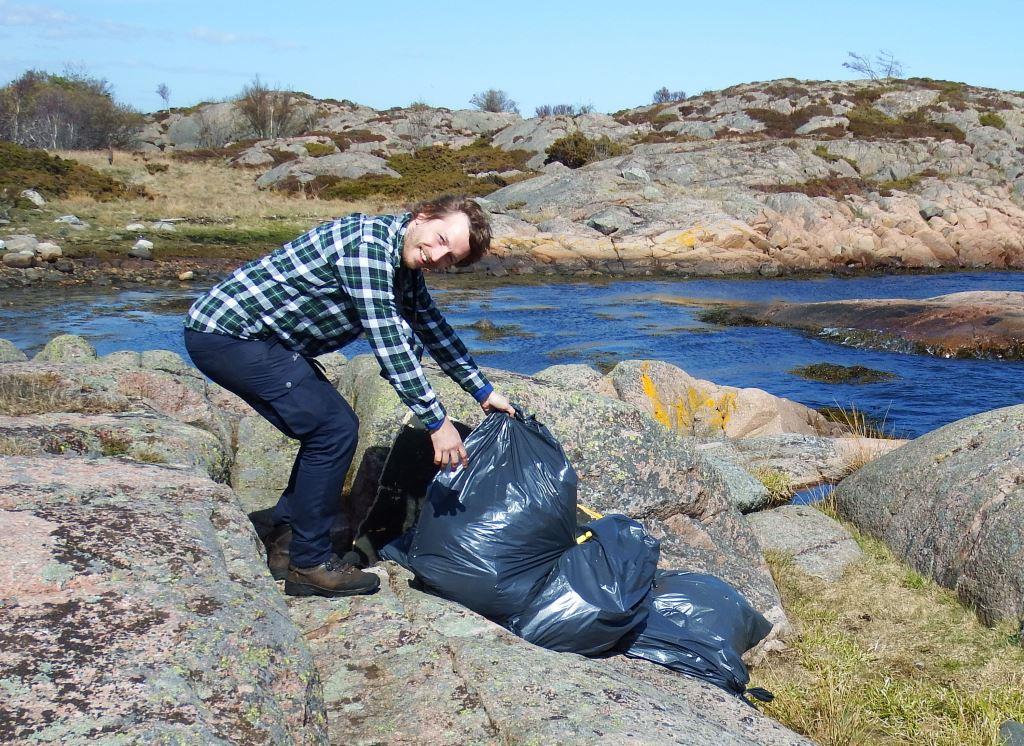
(602, 324)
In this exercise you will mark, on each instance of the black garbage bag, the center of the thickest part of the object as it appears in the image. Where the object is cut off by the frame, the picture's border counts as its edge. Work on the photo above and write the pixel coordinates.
(489, 534)
(595, 594)
(699, 625)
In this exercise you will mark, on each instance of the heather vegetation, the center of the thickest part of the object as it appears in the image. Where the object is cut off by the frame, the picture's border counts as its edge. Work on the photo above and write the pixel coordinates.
(476, 169)
(576, 149)
(26, 168)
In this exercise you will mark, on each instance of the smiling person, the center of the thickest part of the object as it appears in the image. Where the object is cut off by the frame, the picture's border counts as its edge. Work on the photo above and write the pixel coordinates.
(256, 334)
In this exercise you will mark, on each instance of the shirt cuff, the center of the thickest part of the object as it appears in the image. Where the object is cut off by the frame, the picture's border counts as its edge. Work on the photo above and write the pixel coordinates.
(434, 417)
(482, 394)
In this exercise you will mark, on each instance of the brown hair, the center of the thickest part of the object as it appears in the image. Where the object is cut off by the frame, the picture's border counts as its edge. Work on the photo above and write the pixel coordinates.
(479, 227)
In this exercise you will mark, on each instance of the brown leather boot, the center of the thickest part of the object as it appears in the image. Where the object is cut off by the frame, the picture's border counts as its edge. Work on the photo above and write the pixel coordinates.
(278, 554)
(332, 578)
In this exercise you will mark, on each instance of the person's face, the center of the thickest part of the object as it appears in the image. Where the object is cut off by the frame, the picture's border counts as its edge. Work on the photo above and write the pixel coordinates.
(437, 243)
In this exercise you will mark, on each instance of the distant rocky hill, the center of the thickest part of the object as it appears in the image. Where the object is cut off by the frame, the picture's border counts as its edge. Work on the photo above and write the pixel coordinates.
(766, 178)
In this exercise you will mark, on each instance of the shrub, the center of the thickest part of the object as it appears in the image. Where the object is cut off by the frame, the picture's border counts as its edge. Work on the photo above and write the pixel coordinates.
(113, 443)
(270, 113)
(868, 123)
(786, 90)
(991, 119)
(24, 168)
(664, 96)
(556, 110)
(576, 149)
(836, 187)
(885, 65)
(156, 168)
(318, 149)
(429, 172)
(655, 116)
(494, 100)
(68, 111)
(906, 184)
(281, 156)
(786, 125)
(207, 154)
(344, 140)
(823, 152)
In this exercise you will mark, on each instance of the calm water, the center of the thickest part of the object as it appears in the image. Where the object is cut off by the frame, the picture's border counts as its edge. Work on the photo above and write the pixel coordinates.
(599, 324)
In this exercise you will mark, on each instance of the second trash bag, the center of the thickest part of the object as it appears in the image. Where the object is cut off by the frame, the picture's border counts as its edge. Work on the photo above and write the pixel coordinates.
(489, 534)
(701, 626)
(595, 595)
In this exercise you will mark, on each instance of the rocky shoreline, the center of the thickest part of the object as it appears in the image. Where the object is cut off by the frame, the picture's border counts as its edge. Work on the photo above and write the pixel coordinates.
(129, 271)
(977, 324)
(126, 480)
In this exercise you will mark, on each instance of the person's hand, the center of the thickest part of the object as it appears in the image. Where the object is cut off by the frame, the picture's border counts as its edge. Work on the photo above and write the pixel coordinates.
(497, 403)
(449, 451)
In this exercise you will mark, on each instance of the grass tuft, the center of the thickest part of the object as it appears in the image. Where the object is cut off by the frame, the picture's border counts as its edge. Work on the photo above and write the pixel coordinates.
(778, 483)
(885, 656)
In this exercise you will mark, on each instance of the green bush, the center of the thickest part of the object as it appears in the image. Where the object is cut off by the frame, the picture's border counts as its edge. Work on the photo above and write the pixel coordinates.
(576, 149)
(318, 149)
(786, 125)
(991, 119)
(25, 168)
(836, 187)
(869, 123)
(429, 172)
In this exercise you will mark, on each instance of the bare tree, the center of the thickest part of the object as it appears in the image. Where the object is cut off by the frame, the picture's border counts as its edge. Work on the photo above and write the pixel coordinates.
(165, 93)
(888, 65)
(664, 96)
(67, 111)
(270, 112)
(885, 65)
(418, 120)
(554, 110)
(494, 100)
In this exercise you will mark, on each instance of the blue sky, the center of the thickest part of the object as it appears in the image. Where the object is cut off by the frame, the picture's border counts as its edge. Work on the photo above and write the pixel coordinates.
(610, 55)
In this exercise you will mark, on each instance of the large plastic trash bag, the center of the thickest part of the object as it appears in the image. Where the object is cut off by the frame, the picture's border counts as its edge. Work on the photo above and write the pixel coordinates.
(595, 594)
(699, 625)
(489, 534)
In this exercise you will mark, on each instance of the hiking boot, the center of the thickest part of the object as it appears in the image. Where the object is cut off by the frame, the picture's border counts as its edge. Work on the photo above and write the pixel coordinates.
(278, 553)
(332, 578)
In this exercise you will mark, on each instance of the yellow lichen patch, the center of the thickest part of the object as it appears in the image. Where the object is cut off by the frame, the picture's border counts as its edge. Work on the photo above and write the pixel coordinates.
(651, 392)
(689, 237)
(682, 413)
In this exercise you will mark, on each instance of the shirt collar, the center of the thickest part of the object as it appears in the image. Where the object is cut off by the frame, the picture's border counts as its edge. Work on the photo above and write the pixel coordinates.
(402, 225)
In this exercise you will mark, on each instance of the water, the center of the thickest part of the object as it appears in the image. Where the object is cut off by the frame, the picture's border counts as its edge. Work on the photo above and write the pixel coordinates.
(599, 324)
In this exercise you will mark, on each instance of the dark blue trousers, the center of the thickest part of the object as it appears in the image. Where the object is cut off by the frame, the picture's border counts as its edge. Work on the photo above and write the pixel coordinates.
(297, 399)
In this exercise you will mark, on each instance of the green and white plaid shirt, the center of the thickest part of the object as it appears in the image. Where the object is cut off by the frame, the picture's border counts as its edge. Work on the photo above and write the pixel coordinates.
(325, 288)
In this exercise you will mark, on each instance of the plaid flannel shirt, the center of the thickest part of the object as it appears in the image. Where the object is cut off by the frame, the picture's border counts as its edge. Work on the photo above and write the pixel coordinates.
(328, 286)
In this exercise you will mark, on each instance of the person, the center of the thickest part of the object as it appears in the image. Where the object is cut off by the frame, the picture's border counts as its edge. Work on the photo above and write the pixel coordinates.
(256, 334)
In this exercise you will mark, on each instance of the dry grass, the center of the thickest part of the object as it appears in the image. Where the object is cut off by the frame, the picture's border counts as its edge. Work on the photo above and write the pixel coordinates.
(884, 656)
(207, 190)
(46, 392)
(17, 447)
(777, 482)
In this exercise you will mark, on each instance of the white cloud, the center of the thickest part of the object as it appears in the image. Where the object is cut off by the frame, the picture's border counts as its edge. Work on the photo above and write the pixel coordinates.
(201, 33)
(53, 23)
(212, 36)
(12, 14)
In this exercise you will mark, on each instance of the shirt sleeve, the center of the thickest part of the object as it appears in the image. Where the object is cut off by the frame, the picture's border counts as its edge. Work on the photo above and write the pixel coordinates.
(368, 277)
(444, 344)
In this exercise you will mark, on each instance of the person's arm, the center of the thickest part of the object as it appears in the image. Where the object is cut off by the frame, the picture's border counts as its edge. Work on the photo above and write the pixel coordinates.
(367, 276)
(449, 351)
